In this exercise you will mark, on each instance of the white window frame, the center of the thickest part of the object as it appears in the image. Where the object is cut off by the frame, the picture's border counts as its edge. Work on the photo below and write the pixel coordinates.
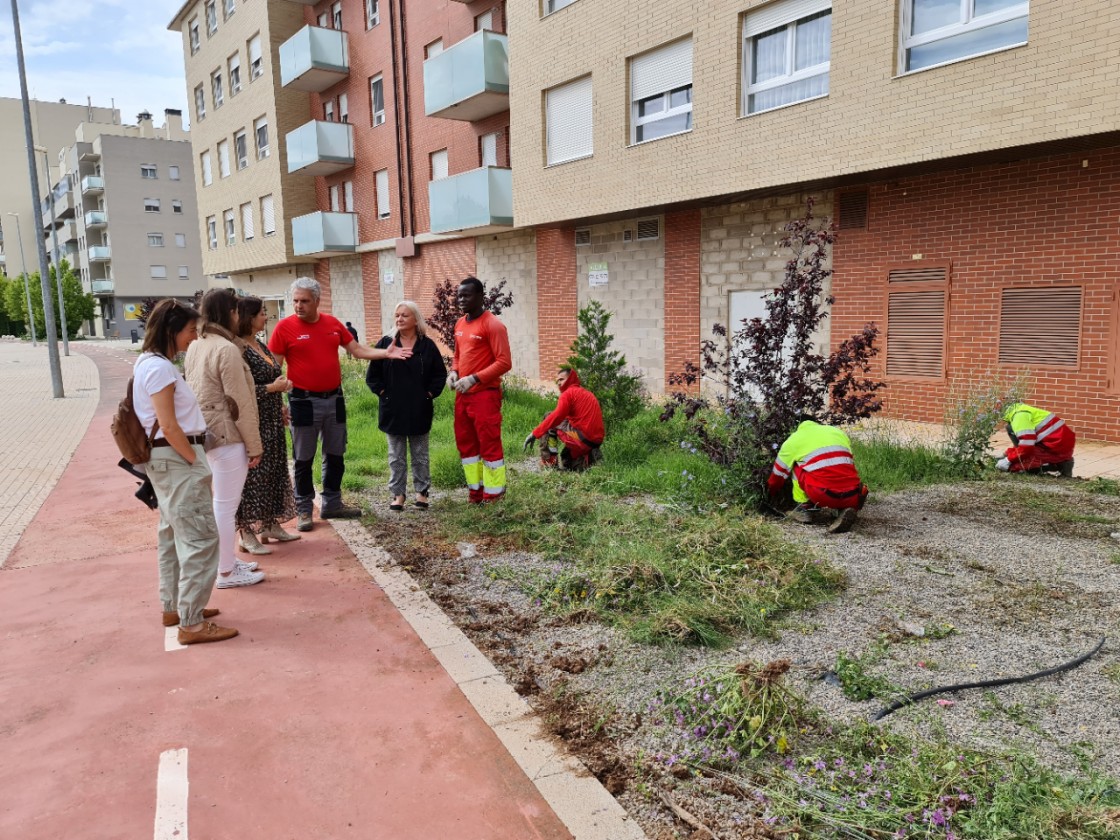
(151, 205)
(206, 166)
(343, 108)
(230, 227)
(967, 22)
(328, 110)
(565, 105)
(381, 187)
(211, 18)
(256, 67)
(233, 67)
(173, 173)
(241, 149)
(155, 240)
(157, 272)
(334, 194)
(781, 15)
(146, 168)
(229, 7)
(212, 232)
(180, 240)
(488, 149)
(260, 124)
(373, 13)
(550, 6)
(184, 272)
(194, 35)
(439, 164)
(248, 229)
(336, 15)
(660, 73)
(217, 90)
(176, 206)
(200, 103)
(223, 159)
(268, 214)
(348, 196)
(433, 49)
(484, 21)
(377, 117)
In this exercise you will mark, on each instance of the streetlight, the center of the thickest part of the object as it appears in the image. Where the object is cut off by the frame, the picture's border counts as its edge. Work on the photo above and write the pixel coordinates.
(54, 238)
(26, 287)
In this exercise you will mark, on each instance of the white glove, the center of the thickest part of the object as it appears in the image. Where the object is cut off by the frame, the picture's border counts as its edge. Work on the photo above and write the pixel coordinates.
(452, 378)
(1003, 464)
(465, 384)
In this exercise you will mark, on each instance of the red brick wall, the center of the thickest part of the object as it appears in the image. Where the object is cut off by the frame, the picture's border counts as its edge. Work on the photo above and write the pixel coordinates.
(323, 275)
(682, 290)
(557, 296)
(1046, 221)
(435, 262)
(371, 297)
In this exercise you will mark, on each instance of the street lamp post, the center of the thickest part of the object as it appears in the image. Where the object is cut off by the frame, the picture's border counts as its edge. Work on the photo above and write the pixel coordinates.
(54, 239)
(26, 287)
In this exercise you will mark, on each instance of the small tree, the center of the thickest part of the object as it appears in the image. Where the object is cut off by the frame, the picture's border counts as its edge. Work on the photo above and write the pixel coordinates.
(79, 305)
(769, 372)
(11, 322)
(603, 369)
(445, 308)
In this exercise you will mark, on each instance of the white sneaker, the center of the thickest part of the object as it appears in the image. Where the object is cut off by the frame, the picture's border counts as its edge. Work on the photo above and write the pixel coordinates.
(239, 577)
(247, 567)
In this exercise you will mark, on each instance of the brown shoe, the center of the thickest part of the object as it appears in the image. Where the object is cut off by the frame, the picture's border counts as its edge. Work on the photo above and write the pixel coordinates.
(209, 632)
(170, 619)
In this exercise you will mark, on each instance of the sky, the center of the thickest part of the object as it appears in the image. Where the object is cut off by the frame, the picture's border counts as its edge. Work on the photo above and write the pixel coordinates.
(117, 52)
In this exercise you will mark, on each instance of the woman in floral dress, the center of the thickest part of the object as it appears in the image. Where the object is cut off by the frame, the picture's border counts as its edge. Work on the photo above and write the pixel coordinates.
(267, 499)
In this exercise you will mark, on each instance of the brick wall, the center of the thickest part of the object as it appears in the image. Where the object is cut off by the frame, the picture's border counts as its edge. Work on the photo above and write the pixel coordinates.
(513, 257)
(435, 262)
(388, 295)
(682, 290)
(346, 291)
(557, 297)
(1045, 221)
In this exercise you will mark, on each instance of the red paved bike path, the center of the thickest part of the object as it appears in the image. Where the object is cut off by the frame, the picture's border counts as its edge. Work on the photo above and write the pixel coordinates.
(326, 718)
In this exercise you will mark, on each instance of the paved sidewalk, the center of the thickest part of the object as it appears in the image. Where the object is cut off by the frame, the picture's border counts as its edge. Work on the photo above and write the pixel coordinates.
(328, 717)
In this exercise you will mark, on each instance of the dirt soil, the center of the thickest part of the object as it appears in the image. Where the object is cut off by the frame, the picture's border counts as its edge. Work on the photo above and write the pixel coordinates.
(998, 578)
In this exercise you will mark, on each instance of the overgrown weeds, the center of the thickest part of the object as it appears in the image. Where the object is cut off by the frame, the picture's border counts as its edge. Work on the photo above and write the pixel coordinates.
(972, 413)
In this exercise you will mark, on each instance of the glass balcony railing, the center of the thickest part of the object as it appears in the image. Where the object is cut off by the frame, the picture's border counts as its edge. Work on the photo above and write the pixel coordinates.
(469, 81)
(99, 253)
(93, 184)
(102, 286)
(325, 234)
(320, 148)
(96, 218)
(314, 59)
(476, 201)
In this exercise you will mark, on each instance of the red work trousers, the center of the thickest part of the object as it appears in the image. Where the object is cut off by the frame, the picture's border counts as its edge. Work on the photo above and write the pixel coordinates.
(1053, 449)
(478, 434)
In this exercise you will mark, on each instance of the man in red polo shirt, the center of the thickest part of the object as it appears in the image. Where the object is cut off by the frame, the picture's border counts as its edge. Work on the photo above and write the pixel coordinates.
(308, 341)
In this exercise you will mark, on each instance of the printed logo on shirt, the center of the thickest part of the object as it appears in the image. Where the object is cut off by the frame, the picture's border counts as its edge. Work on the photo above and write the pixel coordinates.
(304, 337)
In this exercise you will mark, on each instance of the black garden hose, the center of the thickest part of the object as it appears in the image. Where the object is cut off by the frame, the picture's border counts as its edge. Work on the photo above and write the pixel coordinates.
(921, 695)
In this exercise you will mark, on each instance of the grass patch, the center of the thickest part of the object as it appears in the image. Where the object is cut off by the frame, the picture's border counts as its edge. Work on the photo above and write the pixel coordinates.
(886, 465)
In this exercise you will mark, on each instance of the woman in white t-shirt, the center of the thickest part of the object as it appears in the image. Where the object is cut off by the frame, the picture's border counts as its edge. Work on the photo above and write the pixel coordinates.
(188, 534)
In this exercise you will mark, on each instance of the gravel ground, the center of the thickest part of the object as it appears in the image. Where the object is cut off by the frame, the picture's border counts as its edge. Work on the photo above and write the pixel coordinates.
(1027, 574)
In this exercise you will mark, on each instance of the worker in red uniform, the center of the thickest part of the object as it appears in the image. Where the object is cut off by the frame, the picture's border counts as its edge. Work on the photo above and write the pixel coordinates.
(481, 356)
(1040, 441)
(824, 474)
(577, 423)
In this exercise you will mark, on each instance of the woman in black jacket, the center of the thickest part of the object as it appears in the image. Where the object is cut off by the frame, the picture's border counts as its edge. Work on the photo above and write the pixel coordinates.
(406, 390)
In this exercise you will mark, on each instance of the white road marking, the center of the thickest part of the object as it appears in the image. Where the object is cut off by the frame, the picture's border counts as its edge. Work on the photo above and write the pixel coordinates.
(171, 796)
(171, 639)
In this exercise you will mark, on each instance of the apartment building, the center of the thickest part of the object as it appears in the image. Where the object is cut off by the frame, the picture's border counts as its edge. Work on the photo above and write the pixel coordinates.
(968, 151)
(52, 128)
(387, 145)
(124, 215)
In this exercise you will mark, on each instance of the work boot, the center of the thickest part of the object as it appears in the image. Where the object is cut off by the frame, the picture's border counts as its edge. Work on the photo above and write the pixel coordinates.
(1065, 468)
(844, 522)
(341, 511)
(806, 513)
(303, 522)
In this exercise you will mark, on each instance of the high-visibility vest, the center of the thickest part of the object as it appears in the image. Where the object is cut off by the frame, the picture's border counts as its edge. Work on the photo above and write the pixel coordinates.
(817, 449)
(1031, 425)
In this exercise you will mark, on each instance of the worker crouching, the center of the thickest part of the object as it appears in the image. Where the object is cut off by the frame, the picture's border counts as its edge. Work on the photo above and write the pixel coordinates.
(571, 435)
(826, 486)
(1040, 441)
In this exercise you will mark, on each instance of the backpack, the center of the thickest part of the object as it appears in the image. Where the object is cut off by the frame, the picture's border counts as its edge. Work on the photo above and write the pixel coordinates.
(135, 445)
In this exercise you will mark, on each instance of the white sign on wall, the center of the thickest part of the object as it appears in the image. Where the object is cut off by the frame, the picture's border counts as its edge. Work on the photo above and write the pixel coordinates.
(597, 274)
(387, 278)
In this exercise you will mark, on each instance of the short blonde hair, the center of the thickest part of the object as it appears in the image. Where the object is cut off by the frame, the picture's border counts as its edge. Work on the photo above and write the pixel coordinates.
(421, 324)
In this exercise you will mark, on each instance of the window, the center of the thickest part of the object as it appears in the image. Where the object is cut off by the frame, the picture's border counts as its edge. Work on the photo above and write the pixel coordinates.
(212, 232)
(268, 219)
(786, 50)
(328, 110)
(158, 272)
(184, 272)
(373, 13)
(433, 49)
(935, 32)
(176, 206)
(1040, 326)
(488, 149)
(484, 20)
(207, 172)
(228, 8)
(233, 65)
(173, 174)
(323, 19)
(438, 164)
(336, 15)
(551, 6)
(241, 149)
(180, 240)
(916, 313)
(199, 103)
(348, 196)
(568, 133)
(211, 18)
(151, 205)
(155, 240)
(255, 68)
(231, 231)
(223, 158)
(247, 221)
(260, 130)
(216, 86)
(381, 181)
(148, 170)
(661, 92)
(377, 100)
(193, 34)
(343, 108)
(333, 193)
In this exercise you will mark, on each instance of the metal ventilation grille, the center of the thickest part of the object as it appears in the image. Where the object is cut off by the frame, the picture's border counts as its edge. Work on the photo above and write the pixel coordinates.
(918, 274)
(853, 210)
(649, 229)
(583, 236)
(916, 333)
(628, 235)
(1040, 326)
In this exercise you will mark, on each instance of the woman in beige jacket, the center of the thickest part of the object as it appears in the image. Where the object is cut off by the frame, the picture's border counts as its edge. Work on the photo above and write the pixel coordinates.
(217, 373)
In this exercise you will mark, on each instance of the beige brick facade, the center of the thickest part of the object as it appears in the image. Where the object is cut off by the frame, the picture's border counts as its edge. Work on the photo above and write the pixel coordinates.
(1062, 84)
(513, 257)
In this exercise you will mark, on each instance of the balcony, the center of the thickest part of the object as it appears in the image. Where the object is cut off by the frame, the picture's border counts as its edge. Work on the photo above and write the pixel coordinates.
(96, 219)
(314, 59)
(320, 148)
(99, 253)
(66, 232)
(469, 81)
(479, 201)
(63, 207)
(102, 287)
(87, 154)
(93, 184)
(325, 234)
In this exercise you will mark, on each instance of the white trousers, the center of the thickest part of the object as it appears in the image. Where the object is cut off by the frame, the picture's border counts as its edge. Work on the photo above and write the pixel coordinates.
(230, 466)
